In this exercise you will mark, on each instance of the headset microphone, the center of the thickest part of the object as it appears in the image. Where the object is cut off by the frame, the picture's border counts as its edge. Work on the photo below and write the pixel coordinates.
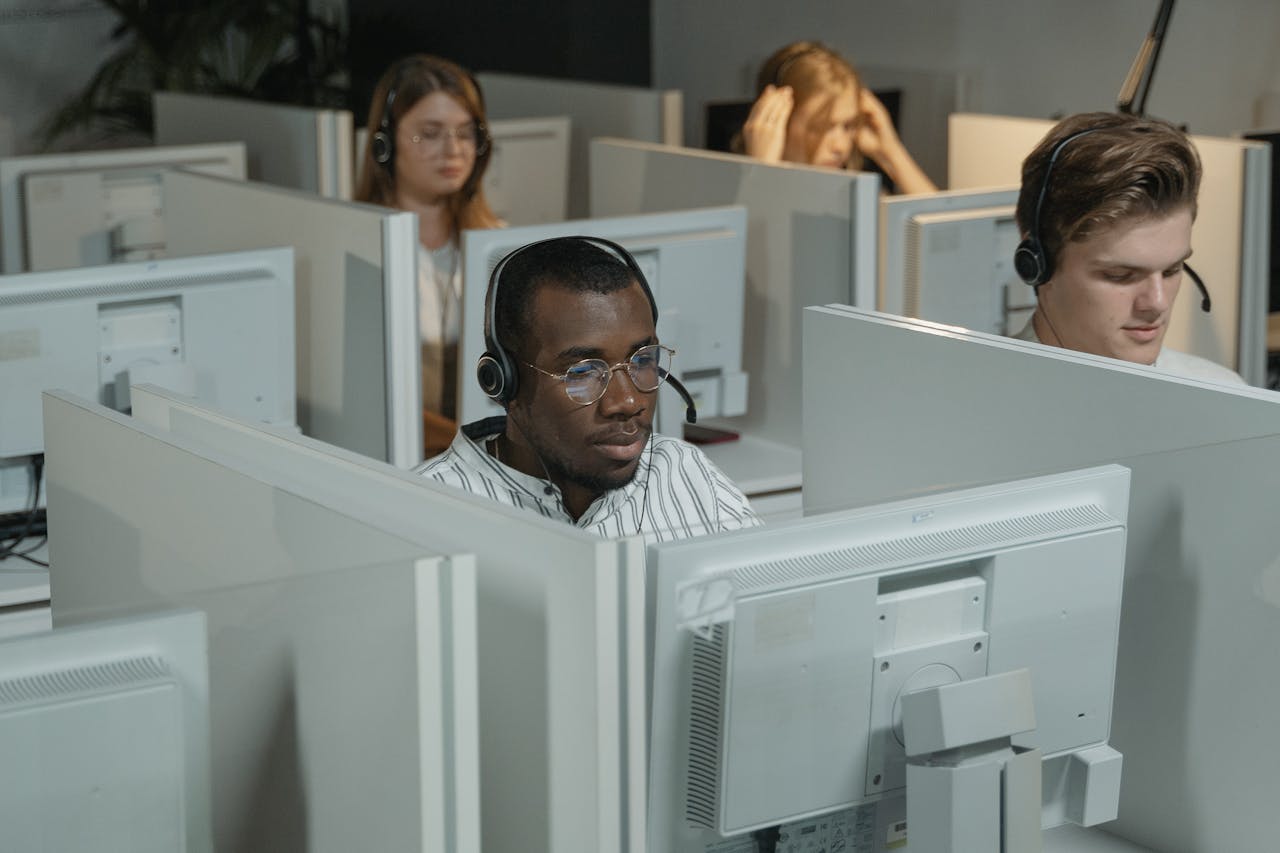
(690, 410)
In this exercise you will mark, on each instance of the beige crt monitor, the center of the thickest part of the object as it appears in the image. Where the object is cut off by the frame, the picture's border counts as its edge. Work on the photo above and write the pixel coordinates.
(343, 696)
(922, 408)
(1230, 240)
(560, 631)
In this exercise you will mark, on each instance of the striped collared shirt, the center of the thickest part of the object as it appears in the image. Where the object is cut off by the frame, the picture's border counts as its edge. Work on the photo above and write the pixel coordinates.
(676, 493)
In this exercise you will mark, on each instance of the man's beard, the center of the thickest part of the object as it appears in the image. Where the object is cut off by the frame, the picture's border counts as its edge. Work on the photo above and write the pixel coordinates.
(563, 468)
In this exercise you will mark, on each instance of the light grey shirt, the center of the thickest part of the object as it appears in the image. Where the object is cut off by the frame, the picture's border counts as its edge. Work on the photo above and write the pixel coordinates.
(676, 493)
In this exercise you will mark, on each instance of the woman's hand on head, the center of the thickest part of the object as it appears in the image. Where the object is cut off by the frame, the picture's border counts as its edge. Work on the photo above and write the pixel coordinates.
(876, 135)
(764, 136)
(879, 142)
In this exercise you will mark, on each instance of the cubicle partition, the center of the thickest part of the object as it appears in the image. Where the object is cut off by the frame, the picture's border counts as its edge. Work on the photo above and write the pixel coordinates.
(342, 682)
(559, 612)
(357, 302)
(810, 241)
(936, 408)
(596, 109)
(308, 148)
(1230, 240)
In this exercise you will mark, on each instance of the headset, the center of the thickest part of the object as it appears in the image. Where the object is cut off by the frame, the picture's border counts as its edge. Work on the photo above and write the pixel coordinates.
(1032, 261)
(382, 145)
(496, 370)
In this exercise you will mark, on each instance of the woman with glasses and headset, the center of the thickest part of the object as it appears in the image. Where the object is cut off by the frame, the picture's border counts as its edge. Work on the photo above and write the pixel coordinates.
(427, 153)
(812, 108)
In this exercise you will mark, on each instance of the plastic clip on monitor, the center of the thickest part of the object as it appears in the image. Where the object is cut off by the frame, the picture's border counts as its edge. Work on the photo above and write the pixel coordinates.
(782, 656)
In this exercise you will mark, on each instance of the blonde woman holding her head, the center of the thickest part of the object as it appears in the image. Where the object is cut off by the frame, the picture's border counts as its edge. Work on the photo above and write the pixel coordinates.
(812, 108)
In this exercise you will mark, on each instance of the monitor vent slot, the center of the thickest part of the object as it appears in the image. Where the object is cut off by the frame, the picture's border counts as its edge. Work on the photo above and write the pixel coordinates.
(53, 686)
(706, 714)
(911, 269)
(139, 287)
(951, 543)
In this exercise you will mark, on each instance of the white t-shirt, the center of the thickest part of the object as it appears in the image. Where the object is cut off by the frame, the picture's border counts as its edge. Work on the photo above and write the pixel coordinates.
(439, 323)
(1169, 361)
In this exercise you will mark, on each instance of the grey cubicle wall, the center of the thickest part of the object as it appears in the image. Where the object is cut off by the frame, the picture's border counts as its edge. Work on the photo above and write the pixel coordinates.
(356, 274)
(810, 241)
(596, 109)
(560, 624)
(343, 693)
(933, 408)
(307, 148)
(1230, 240)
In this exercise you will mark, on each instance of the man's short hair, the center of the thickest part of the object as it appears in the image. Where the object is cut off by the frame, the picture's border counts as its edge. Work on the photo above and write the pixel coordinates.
(1128, 167)
(566, 262)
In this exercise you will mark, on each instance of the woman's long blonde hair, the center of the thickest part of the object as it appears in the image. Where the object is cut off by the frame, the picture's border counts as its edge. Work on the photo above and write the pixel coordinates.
(812, 70)
(411, 79)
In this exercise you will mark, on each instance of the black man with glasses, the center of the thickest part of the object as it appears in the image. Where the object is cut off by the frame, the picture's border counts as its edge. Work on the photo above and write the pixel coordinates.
(575, 360)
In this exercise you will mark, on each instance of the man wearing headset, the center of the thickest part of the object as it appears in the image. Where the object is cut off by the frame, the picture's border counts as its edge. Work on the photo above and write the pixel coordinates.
(1105, 212)
(573, 356)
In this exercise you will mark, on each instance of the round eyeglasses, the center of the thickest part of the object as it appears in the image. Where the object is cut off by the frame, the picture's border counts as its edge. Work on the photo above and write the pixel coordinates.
(586, 381)
(435, 136)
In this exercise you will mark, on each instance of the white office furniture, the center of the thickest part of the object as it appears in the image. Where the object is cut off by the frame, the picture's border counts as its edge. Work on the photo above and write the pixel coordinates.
(560, 615)
(342, 656)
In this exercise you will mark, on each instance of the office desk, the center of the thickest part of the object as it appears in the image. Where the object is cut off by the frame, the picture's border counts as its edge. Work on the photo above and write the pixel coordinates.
(767, 472)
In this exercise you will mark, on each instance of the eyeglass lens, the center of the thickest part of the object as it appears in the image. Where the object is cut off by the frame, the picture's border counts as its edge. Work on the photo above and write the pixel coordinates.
(586, 381)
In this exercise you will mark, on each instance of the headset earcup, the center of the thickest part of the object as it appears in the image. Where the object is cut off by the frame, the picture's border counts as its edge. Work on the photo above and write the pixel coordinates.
(380, 147)
(1029, 261)
(498, 384)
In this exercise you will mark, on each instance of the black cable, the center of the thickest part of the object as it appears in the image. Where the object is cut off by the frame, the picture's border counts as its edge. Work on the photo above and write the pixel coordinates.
(767, 839)
(37, 473)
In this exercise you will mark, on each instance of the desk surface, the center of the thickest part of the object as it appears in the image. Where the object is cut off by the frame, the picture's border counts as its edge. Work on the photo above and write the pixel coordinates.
(1075, 839)
(756, 465)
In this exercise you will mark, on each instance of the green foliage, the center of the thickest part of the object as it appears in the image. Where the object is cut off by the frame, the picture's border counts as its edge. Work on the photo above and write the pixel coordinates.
(273, 50)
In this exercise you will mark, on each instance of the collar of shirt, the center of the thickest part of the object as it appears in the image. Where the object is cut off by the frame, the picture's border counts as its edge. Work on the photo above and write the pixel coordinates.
(538, 490)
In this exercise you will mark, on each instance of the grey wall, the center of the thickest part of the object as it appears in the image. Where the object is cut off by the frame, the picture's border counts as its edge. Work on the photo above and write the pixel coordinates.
(1022, 57)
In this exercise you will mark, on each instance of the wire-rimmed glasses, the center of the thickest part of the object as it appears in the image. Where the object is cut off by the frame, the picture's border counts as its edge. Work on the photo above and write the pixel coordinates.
(586, 381)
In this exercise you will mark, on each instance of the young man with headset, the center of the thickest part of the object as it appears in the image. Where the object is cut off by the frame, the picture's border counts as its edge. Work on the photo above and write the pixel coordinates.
(1105, 212)
(573, 356)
